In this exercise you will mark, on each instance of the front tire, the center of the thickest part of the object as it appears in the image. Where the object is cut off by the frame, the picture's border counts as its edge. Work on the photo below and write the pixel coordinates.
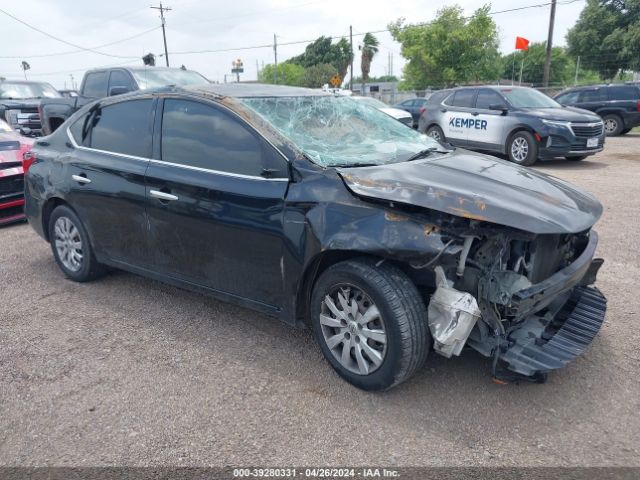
(522, 148)
(435, 132)
(71, 247)
(370, 322)
(613, 125)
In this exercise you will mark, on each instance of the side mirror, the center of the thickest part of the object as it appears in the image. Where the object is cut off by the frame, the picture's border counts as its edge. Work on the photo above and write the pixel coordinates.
(500, 107)
(118, 90)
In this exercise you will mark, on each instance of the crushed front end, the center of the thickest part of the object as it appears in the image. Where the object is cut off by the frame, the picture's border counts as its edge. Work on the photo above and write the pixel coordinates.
(534, 307)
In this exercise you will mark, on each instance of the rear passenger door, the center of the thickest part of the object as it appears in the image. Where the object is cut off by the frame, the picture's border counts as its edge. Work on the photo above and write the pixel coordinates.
(457, 115)
(215, 196)
(106, 177)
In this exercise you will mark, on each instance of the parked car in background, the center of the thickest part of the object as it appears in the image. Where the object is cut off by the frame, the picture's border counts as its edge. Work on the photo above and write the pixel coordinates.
(13, 163)
(415, 106)
(323, 211)
(19, 104)
(106, 82)
(401, 115)
(618, 105)
(518, 121)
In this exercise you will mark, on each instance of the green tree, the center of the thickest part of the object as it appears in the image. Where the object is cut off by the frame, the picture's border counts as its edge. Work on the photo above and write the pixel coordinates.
(369, 49)
(322, 51)
(287, 74)
(607, 36)
(318, 75)
(562, 66)
(453, 49)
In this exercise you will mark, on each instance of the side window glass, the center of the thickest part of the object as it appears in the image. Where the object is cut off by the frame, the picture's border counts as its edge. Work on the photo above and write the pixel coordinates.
(119, 78)
(463, 98)
(80, 130)
(123, 128)
(95, 85)
(569, 98)
(487, 97)
(624, 93)
(199, 135)
(590, 96)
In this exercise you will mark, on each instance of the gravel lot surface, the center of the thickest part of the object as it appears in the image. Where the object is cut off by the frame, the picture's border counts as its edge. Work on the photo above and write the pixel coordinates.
(128, 371)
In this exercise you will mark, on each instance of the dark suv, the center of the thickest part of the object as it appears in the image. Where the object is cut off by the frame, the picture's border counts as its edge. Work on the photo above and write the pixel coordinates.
(618, 105)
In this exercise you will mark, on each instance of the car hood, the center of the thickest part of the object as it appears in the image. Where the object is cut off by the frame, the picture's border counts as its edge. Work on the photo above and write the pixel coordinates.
(480, 187)
(566, 114)
(21, 103)
(395, 112)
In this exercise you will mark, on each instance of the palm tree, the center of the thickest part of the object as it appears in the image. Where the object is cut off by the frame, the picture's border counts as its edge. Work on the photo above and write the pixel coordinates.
(369, 48)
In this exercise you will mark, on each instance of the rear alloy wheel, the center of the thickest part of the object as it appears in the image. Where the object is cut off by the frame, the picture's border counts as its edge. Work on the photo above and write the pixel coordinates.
(522, 148)
(612, 125)
(70, 245)
(436, 133)
(370, 322)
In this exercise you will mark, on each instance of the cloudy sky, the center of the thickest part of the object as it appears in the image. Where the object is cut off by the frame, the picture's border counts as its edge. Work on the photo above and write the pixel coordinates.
(196, 25)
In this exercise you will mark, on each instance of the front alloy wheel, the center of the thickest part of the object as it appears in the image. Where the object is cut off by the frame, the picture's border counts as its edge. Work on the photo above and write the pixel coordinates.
(371, 323)
(353, 329)
(522, 148)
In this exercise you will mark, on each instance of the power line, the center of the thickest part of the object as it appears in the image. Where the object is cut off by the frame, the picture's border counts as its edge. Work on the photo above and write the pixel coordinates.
(60, 39)
(70, 52)
(333, 37)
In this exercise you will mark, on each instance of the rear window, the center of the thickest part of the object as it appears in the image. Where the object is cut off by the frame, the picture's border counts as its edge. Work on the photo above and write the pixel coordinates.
(462, 98)
(624, 93)
(95, 85)
(438, 97)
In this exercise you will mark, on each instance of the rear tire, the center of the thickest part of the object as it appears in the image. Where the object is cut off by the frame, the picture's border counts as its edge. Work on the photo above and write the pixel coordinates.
(435, 132)
(370, 322)
(71, 247)
(613, 125)
(522, 148)
(625, 131)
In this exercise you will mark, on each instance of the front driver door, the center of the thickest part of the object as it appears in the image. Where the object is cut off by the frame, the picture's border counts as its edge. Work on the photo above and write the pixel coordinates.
(215, 196)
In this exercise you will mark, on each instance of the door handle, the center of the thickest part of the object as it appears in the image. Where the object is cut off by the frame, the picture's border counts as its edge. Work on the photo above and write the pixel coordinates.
(443, 110)
(475, 114)
(162, 195)
(81, 178)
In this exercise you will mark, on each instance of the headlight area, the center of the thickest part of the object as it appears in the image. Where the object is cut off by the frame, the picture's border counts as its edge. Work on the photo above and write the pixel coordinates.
(523, 300)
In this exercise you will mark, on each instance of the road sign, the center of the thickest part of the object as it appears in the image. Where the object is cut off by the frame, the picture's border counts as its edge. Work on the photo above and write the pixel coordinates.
(336, 81)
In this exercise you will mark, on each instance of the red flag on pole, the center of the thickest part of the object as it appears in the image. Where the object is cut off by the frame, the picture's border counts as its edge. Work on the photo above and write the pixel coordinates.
(522, 43)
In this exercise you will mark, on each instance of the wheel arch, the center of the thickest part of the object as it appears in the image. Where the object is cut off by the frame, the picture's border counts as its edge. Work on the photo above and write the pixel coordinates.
(315, 267)
(47, 209)
(513, 131)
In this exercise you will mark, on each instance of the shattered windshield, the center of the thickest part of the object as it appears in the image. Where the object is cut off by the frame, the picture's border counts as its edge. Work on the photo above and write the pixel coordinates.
(340, 131)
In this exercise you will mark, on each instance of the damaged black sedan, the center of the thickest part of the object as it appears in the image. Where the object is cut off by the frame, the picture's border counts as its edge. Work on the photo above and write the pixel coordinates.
(325, 212)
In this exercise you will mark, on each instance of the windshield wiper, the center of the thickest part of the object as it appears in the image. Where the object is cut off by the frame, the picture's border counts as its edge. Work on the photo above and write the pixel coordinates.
(425, 153)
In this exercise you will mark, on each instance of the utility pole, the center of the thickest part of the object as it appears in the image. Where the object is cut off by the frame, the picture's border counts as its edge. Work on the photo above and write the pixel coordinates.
(547, 60)
(164, 33)
(275, 59)
(351, 43)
